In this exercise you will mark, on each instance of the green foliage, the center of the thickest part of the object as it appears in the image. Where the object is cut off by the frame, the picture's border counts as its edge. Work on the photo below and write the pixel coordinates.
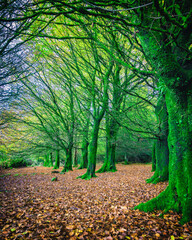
(16, 175)
(54, 179)
(7, 174)
(4, 163)
(14, 163)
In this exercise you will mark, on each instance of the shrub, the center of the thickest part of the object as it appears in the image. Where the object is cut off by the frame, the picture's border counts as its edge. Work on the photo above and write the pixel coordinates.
(18, 162)
(4, 163)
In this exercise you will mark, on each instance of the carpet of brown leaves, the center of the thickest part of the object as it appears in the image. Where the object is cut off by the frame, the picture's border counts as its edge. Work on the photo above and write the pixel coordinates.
(34, 207)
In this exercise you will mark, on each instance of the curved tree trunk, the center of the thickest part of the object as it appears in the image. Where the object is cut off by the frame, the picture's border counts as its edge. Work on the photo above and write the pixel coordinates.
(160, 149)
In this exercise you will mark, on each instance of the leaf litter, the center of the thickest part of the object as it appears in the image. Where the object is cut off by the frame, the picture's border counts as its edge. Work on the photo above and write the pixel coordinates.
(34, 207)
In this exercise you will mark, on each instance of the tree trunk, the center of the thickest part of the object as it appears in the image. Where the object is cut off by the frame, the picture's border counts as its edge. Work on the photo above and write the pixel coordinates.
(105, 164)
(109, 163)
(57, 160)
(84, 155)
(51, 159)
(98, 114)
(85, 141)
(75, 163)
(154, 157)
(68, 161)
(46, 161)
(178, 195)
(161, 150)
(178, 96)
(92, 152)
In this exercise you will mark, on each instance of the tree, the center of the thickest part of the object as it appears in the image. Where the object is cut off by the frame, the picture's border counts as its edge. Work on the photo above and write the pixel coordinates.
(54, 121)
(57, 160)
(160, 161)
(98, 110)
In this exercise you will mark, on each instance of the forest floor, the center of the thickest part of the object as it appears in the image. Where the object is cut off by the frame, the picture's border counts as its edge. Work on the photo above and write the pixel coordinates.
(34, 207)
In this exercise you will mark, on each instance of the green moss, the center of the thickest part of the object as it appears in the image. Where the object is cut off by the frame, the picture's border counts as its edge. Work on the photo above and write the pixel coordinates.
(153, 157)
(159, 176)
(68, 161)
(87, 176)
(7, 174)
(92, 152)
(178, 195)
(84, 157)
(57, 160)
(54, 179)
(16, 175)
(160, 154)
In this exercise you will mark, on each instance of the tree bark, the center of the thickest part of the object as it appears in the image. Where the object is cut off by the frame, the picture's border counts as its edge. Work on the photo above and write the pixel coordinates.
(51, 159)
(46, 161)
(178, 95)
(68, 161)
(111, 133)
(85, 143)
(84, 154)
(57, 160)
(178, 195)
(75, 162)
(92, 151)
(154, 157)
(161, 150)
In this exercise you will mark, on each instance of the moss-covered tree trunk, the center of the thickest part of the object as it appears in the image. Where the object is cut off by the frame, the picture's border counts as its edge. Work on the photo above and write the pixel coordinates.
(111, 133)
(154, 157)
(112, 125)
(107, 145)
(178, 195)
(92, 151)
(46, 161)
(57, 160)
(84, 154)
(98, 113)
(69, 160)
(51, 159)
(85, 143)
(75, 161)
(177, 76)
(160, 149)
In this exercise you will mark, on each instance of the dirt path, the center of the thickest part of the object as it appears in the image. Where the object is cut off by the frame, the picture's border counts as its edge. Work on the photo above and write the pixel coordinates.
(34, 207)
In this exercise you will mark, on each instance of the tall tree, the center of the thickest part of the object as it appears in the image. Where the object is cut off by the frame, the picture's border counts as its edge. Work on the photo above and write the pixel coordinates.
(160, 159)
